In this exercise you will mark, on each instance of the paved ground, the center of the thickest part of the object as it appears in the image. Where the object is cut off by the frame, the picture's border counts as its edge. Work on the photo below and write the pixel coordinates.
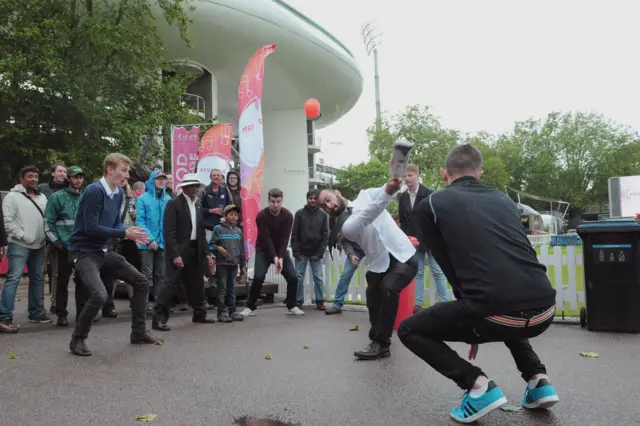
(216, 374)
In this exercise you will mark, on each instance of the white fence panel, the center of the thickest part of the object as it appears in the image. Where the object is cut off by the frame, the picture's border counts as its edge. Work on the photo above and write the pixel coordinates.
(555, 260)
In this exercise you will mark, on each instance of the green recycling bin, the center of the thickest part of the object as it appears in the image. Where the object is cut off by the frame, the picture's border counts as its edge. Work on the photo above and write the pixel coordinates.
(611, 275)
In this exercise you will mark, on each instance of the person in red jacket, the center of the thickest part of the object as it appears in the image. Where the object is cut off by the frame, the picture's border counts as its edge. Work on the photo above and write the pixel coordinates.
(274, 230)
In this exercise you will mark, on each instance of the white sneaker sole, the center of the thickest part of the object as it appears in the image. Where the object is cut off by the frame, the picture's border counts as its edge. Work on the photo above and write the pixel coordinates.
(294, 314)
(486, 410)
(251, 314)
(546, 402)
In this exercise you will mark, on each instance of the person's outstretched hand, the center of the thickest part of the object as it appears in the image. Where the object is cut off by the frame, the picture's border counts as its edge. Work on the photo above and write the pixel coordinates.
(137, 234)
(393, 186)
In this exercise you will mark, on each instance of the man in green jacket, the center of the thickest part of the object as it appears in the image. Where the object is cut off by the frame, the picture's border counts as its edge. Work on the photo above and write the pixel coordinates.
(58, 224)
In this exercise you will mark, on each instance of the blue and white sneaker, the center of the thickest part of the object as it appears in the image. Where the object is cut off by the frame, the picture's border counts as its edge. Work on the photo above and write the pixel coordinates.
(472, 408)
(542, 396)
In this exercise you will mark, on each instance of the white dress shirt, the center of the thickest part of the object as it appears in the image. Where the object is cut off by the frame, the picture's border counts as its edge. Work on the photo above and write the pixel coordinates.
(374, 230)
(192, 209)
(110, 192)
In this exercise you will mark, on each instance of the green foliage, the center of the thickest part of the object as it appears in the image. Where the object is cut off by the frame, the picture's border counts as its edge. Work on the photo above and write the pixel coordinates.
(357, 177)
(80, 79)
(420, 127)
(566, 156)
(569, 156)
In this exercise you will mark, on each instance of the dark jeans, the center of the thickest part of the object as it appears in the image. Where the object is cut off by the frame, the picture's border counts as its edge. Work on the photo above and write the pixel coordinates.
(64, 265)
(192, 276)
(425, 333)
(383, 297)
(89, 266)
(226, 279)
(153, 268)
(260, 268)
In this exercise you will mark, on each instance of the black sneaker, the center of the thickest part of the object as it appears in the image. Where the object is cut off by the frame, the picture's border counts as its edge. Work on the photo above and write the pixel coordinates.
(237, 317)
(62, 322)
(40, 319)
(224, 317)
(78, 347)
(373, 351)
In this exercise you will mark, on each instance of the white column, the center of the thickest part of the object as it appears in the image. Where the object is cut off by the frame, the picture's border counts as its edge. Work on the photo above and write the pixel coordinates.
(285, 157)
(214, 95)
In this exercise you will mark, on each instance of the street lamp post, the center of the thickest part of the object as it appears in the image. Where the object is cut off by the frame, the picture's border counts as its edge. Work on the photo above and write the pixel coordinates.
(372, 39)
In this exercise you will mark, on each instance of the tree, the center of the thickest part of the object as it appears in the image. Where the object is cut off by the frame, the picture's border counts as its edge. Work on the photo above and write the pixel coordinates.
(356, 177)
(79, 79)
(418, 125)
(494, 168)
(569, 156)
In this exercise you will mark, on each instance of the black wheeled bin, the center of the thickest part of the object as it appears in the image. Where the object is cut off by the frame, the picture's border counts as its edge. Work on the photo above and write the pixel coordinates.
(612, 275)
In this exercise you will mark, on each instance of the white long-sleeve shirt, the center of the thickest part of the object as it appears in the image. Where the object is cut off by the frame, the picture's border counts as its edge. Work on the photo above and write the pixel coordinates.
(374, 230)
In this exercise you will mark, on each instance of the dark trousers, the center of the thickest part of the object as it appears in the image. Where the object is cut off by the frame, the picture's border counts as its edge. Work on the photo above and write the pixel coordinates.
(260, 268)
(153, 268)
(192, 276)
(112, 265)
(383, 297)
(425, 333)
(129, 250)
(226, 279)
(64, 265)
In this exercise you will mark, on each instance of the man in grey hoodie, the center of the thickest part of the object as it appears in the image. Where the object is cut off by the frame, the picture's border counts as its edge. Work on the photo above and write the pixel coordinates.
(23, 210)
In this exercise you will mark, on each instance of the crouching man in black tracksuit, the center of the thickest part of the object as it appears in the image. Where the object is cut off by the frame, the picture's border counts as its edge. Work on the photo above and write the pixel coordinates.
(503, 294)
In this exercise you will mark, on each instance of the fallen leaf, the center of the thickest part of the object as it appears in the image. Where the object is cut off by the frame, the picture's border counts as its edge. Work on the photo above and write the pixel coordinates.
(159, 342)
(306, 347)
(267, 356)
(589, 355)
(510, 408)
(146, 418)
(12, 356)
(355, 328)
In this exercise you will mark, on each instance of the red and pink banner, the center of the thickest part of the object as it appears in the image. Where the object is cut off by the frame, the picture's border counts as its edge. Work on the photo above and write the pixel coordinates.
(251, 143)
(184, 152)
(214, 151)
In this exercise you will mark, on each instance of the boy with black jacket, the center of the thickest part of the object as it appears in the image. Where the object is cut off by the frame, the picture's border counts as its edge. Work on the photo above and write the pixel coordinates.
(502, 291)
(227, 243)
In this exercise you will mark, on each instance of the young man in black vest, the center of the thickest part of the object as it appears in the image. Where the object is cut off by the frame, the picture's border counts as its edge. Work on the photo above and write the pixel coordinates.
(502, 291)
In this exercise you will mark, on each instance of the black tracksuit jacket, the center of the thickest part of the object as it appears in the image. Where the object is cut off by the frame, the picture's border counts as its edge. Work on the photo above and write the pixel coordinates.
(476, 236)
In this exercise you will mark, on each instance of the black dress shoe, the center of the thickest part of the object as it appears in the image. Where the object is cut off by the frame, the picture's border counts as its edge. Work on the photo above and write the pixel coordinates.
(373, 351)
(78, 347)
(62, 322)
(160, 326)
(203, 320)
(146, 339)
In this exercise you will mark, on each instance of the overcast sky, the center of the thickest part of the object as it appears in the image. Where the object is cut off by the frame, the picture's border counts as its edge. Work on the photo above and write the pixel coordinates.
(484, 64)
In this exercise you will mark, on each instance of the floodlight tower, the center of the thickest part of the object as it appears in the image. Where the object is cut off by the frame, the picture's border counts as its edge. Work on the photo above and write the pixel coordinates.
(372, 39)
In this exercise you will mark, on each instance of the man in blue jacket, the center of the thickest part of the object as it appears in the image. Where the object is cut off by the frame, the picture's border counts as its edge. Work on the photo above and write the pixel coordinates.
(97, 220)
(149, 216)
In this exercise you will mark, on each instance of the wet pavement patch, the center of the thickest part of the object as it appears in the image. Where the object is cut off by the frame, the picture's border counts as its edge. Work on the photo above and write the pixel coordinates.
(251, 421)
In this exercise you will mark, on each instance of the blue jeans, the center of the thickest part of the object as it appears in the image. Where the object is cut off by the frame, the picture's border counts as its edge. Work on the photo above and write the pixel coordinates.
(318, 281)
(343, 283)
(437, 276)
(19, 257)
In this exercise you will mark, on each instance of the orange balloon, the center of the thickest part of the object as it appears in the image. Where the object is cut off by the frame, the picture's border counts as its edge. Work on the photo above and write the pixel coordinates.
(312, 108)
